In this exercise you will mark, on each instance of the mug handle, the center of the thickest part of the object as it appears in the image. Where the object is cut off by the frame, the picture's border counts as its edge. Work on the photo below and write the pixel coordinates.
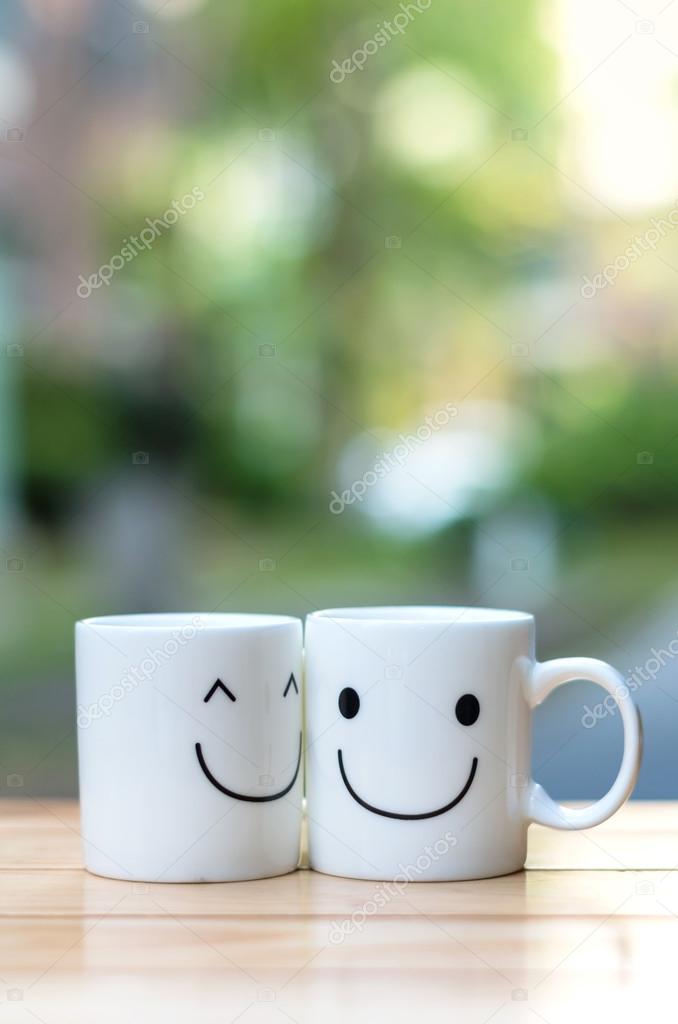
(543, 678)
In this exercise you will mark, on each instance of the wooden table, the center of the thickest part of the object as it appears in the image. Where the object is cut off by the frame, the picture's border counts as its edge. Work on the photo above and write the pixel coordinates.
(588, 933)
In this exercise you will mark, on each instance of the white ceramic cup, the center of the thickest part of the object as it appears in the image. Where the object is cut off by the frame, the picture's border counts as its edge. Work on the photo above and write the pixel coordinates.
(189, 738)
(418, 741)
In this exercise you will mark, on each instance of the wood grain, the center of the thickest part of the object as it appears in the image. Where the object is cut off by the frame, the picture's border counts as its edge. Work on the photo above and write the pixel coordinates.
(590, 929)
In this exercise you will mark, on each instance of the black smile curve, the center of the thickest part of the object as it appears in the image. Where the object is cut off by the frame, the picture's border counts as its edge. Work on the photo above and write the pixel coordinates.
(243, 796)
(408, 817)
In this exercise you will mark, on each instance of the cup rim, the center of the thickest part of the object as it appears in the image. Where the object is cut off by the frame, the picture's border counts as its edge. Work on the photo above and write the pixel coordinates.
(199, 621)
(440, 615)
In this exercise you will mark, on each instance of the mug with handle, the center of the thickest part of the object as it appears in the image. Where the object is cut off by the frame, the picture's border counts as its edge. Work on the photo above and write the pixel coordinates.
(419, 737)
(190, 745)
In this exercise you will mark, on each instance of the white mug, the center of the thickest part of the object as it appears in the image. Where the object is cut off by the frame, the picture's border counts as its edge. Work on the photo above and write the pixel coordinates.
(418, 741)
(189, 738)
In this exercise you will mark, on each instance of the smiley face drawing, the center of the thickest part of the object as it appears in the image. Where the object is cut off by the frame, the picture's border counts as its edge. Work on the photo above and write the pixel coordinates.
(467, 712)
(219, 687)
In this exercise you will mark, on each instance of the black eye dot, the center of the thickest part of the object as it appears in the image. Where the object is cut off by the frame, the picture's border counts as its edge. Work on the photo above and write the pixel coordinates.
(349, 702)
(467, 709)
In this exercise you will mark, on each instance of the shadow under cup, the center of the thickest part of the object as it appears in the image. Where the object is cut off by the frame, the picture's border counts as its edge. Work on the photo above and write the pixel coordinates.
(190, 749)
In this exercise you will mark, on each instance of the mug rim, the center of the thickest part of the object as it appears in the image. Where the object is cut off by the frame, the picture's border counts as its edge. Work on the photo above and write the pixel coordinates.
(441, 615)
(202, 621)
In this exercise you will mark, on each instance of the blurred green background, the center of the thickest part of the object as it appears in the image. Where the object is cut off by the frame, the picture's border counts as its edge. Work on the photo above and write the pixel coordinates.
(422, 230)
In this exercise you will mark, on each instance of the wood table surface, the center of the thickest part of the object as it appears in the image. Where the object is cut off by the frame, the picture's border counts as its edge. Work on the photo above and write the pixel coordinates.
(589, 932)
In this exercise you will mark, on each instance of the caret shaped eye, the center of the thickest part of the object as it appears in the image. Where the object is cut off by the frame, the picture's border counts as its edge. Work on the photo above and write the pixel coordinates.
(291, 682)
(218, 686)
